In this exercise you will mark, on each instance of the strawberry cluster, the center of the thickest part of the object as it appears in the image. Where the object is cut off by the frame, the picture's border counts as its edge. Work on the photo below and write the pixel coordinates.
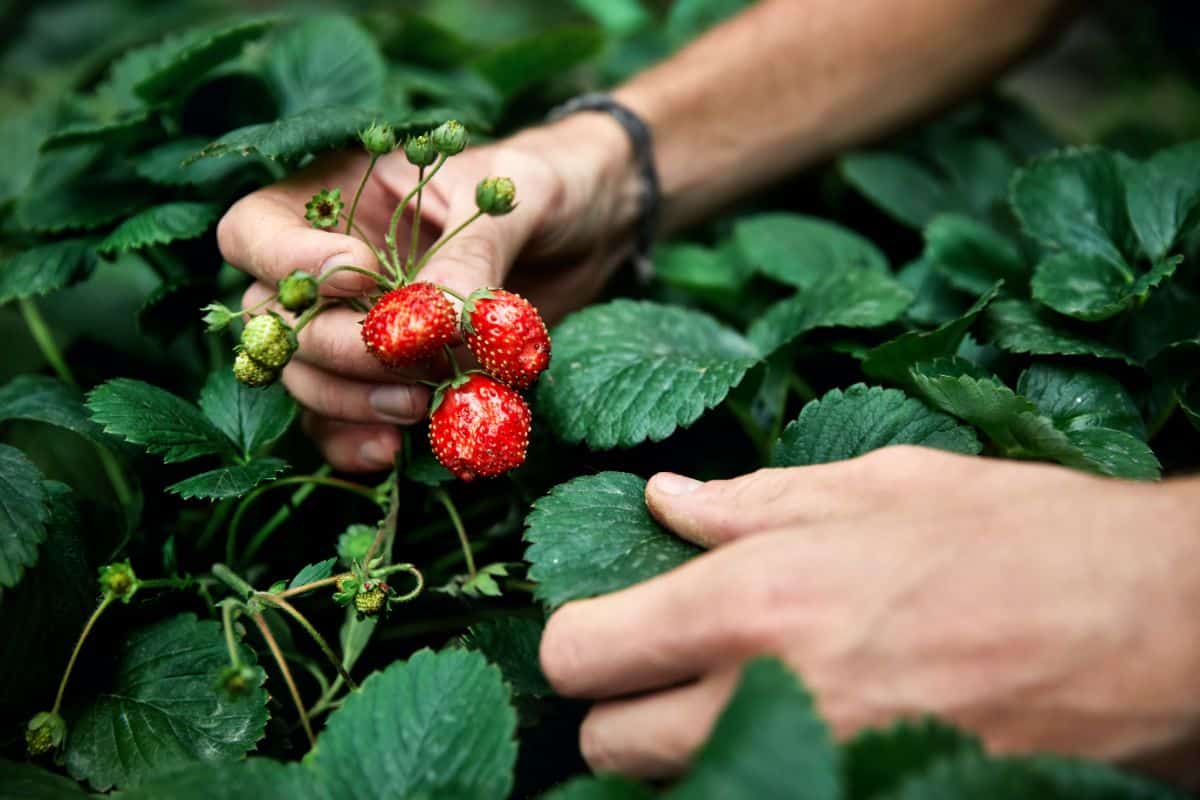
(479, 423)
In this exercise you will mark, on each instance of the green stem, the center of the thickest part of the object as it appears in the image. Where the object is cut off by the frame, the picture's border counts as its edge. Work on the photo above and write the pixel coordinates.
(390, 239)
(41, 334)
(105, 602)
(753, 432)
(416, 226)
(308, 587)
(281, 515)
(233, 580)
(443, 497)
(214, 522)
(453, 361)
(273, 645)
(383, 282)
(440, 243)
(259, 306)
(313, 633)
(411, 570)
(380, 256)
(800, 387)
(452, 293)
(387, 528)
(228, 617)
(358, 195)
(311, 314)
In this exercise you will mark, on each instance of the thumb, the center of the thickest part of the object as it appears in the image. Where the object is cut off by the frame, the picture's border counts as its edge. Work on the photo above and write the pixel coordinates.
(717, 512)
(483, 253)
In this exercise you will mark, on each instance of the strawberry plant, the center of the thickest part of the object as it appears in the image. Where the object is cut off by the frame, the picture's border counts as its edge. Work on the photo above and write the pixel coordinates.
(195, 605)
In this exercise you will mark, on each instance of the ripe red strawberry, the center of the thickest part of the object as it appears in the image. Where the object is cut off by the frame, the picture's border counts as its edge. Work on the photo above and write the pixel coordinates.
(409, 324)
(507, 336)
(480, 429)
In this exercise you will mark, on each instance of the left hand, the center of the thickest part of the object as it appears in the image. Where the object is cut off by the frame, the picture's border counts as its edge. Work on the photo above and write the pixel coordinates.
(1040, 607)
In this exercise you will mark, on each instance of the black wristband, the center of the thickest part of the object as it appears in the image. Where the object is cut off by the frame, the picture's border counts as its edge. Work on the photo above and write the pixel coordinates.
(642, 139)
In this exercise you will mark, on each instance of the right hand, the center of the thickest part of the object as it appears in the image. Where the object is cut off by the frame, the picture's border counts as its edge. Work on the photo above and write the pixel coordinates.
(576, 200)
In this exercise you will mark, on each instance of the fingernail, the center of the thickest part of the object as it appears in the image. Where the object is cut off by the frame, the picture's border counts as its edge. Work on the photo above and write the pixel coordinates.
(397, 403)
(350, 282)
(375, 454)
(669, 483)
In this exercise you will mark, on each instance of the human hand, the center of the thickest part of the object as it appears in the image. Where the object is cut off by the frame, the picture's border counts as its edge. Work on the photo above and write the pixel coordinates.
(576, 192)
(1043, 608)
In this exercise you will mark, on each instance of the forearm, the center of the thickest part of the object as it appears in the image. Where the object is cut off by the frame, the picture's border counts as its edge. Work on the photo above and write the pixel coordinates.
(790, 81)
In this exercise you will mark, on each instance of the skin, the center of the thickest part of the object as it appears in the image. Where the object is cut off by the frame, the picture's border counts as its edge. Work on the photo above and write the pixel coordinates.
(1044, 608)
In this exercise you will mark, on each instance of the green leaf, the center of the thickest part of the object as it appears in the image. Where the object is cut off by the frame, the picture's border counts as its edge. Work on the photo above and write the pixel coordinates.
(251, 418)
(511, 643)
(156, 419)
(40, 398)
(79, 188)
(801, 251)
(425, 469)
(1074, 200)
(165, 164)
(593, 535)
(325, 61)
(766, 738)
(1092, 288)
(858, 299)
(877, 761)
(980, 169)
(125, 131)
(24, 510)
(160, 709)
(162, 224)
(438, 724)
(230, 481)
(255, 777)
(908, 191)
(935, 300)
(46, 268)
(1019, 327)
(21, 130)
(416, 39)
(1076, 399)
(690, 18)
(891, 360)
(692, 266)
(1163, 197)
(600, 787)
(617, 17)
(847, 424)
(27, 782)
(185, 59)
(624, 372)
(313, 131)
(313, 572)
(1020, 430)
(973, 256)
(514, 67)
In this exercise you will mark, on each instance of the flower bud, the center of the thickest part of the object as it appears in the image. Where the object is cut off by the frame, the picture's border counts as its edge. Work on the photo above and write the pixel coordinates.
(379, 139)
(419, 150)
(298, 291)
(449, 138)
(119, 580)
(45, 732)
(238, 681)
(496, 196)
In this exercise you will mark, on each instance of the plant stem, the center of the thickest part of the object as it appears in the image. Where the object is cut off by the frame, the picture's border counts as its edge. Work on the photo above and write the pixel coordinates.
(214, 522)
(452, 293)
(311, 314)
(800, 387)
(453, 361)
(41, 334)
(287, 675)
(387, 528)
(310, 482)
(383, 282)
(233, 580)
(380, 256)
(390, 239)
(411, 570)
(443, 497)
(316, 636)
(358, 195)
(105, 602)
(416, 226)
(440, 243)
(258, 307)
(308, 587)
(228, 617)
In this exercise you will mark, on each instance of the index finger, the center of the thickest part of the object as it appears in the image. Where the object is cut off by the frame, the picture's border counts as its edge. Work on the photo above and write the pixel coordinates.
(265, 236)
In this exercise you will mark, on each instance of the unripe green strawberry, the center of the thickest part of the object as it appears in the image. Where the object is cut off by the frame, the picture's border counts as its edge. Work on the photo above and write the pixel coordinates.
(449, 138)
(419, 150)
(496, 196)
(479, 428)
(371, 598)
(379, 139)
(507, 336)
(119, 580)
(409, 324)
(238, 681)
(268, 340)
(298, 291)
(251, 373)
(45, 732)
